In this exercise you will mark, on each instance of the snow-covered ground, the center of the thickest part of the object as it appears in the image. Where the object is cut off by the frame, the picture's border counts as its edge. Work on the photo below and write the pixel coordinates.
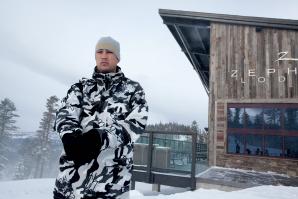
(42, 189)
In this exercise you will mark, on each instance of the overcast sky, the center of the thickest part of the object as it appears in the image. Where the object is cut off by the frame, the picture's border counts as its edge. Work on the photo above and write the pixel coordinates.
(48, 45)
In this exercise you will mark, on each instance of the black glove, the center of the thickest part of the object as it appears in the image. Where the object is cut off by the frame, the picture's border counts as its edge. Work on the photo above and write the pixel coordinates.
(82, 147)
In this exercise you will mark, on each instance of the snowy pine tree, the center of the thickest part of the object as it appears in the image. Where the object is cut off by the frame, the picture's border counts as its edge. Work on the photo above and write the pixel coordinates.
(7, 117)
(7, 126)
(194, 128)
(42, 150)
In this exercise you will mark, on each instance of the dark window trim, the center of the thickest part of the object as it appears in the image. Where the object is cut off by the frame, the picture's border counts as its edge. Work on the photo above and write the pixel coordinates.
(262, 105)
(261, 156)
(282, 132)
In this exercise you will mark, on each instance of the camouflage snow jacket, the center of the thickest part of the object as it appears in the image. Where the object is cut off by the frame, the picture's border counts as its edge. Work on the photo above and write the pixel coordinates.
(98, 122)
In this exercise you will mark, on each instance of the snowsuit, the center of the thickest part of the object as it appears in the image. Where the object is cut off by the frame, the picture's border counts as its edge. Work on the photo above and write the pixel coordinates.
(98, 122)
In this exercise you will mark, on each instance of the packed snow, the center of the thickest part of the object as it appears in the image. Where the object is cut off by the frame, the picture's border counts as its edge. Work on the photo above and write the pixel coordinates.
(42, 189)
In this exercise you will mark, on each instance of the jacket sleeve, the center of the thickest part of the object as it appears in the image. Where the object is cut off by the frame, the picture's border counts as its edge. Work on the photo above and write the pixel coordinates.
(68, 115)
(78, 147)
(126, 131)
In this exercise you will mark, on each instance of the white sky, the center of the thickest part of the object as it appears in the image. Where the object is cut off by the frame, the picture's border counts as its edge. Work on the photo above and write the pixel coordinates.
(48, 45)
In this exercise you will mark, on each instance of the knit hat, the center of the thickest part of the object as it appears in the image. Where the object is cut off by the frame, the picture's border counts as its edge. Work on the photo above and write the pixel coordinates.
(110, 44)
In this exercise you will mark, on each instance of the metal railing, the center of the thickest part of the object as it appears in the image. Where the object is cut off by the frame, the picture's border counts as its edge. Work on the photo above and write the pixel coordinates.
(157, 159)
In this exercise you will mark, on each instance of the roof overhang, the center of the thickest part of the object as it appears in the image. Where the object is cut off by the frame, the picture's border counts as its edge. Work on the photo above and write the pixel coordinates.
(192, 32)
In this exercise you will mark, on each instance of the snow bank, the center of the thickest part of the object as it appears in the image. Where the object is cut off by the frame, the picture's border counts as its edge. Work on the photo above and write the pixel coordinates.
(42, 189)
(27, 189)
(262, 192)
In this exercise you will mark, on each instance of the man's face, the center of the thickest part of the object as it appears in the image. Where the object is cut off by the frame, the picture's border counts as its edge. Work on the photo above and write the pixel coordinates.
(106, 61)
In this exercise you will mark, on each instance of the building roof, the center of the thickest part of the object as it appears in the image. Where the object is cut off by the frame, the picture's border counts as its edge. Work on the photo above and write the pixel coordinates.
(192, 32)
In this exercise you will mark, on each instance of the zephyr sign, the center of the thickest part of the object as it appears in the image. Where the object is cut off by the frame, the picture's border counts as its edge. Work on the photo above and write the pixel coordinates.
(269, 71)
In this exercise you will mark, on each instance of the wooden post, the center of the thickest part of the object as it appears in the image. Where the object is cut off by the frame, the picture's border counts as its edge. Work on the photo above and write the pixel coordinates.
(133, 185)
(149, 162)
(193, 162)
(156, 187)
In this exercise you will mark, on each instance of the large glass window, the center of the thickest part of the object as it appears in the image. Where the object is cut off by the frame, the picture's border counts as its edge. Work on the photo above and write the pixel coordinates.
(263, 129)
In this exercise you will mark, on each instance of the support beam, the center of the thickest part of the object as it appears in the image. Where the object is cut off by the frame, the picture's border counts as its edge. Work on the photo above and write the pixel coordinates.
(187, 48)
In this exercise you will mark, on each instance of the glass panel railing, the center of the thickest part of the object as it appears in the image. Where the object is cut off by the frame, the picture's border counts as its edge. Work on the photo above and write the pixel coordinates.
(144, 138)
(141, 150)
(172, 152)
(201, 157)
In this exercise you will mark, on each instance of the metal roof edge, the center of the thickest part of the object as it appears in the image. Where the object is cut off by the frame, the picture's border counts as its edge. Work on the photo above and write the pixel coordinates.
(234, 19)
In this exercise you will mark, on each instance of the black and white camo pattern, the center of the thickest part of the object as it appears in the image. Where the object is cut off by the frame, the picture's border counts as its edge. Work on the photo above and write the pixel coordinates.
(98, 122)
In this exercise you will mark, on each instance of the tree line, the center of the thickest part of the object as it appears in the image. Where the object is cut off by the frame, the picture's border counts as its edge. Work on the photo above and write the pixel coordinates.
(34, 152)
(202, 133)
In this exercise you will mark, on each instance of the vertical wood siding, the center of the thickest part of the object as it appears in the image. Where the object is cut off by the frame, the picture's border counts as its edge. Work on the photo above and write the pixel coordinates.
(242, 48)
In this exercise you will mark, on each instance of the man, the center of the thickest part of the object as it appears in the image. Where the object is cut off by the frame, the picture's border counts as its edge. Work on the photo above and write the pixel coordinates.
(98, 122)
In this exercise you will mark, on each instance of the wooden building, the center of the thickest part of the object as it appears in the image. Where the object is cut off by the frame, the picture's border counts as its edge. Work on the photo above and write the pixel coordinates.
(248, 66)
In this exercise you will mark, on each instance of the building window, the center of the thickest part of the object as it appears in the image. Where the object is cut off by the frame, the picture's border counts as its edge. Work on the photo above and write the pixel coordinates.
(263, 130)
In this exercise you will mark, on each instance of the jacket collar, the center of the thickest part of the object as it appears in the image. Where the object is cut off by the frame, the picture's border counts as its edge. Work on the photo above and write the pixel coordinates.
(108, 78)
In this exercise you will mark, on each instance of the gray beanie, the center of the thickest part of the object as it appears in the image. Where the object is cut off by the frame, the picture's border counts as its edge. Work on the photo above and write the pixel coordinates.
(110, 44)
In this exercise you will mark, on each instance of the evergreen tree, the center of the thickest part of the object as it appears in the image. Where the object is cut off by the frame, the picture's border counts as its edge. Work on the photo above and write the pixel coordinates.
(229, 117)
(236, 119)
(176, 127)
(291, 119)
(194, 126)
(7, 126)
(168, 127)
(7, 117)
(42, 150)
(204, 136)
(272, 118)
(258, 121)
(245, 119)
